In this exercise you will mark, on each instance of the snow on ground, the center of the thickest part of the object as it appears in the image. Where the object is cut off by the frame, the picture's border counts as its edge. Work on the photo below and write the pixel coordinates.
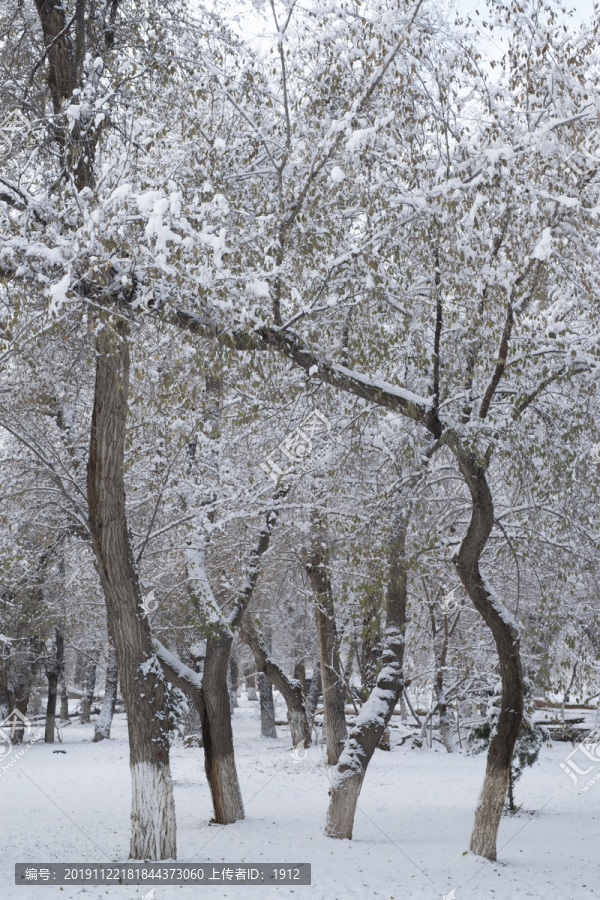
(411, 833)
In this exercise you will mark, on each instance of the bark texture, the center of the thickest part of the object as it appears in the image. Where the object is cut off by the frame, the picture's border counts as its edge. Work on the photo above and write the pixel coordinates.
(331, 675)
(142, 681)
(217, 734)
(267, 708)
(64, 39)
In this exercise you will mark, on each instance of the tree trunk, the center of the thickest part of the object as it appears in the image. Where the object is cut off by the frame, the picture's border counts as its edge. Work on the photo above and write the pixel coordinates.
(333, 685)
(290, 689)
(104, 720)
(506, 636)
(265, 689)
(53, 672)
(267, 707)
(217, 735)
(251, 685)
(370, 645)
(441, 640)
(300, 675)
(374, 716)
(314, 692)
(90, 686)
(153, 833)
(64, 697)
(19, 684)
(234, 679)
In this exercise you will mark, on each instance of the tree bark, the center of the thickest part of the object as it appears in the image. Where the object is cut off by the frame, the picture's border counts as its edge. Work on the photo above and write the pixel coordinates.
(314, 692)
(217, 735)
(234, 679)
(331, 677)
(64, 697)
(104, 720)
(153, 834)
(53, 668)
(506, 636)
(290, 689)
(267, 707)
(300, 675)
(90, 686)
(374, 716)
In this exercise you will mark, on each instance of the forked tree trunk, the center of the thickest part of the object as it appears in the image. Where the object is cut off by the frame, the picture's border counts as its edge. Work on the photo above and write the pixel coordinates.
(210, 695)
(374, 716)
(331, 676)
(153, 834)
(53, 671)
(267, 707)
(506, 636)
(290, 689)
(104, 720)
(90, 686)
(217, 734)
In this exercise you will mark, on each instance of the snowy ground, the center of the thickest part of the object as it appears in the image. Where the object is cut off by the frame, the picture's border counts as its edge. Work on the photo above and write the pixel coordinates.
(410, 836)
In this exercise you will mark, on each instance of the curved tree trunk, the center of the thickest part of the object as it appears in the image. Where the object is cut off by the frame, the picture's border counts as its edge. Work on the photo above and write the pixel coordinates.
(505, 631)
(104, 720)
(290, 689)
(374, 716)
(153, 833)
